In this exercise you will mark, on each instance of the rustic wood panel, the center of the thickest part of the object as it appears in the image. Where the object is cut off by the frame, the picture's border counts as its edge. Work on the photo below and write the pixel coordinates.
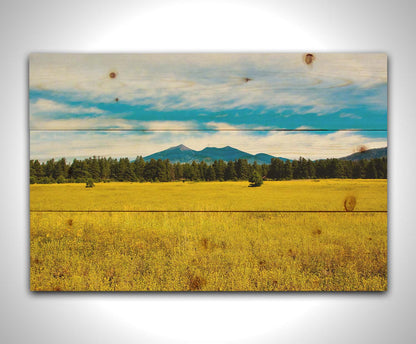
(303, 235)
(286, 196)
(147, 91)
(289, 145)
(209, 252)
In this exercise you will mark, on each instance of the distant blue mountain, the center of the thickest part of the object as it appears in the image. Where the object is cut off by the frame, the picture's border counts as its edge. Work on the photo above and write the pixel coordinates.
(367, 154)
(184, 154)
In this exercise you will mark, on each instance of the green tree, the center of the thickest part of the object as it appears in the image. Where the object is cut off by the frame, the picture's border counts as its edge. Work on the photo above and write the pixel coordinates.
(60, 179)
(210, 174)
(219, 168)
(195, 172)
(230, 173)
(36, 169)
(139, 165)
(178, 168)
(242, 169)
(255, 179)
(49, 168)
(276, 170)
(89, 183)
(371, 171)
(129, 174)
(150, 170)
(105, 170)
(94, 168)
(287, 170)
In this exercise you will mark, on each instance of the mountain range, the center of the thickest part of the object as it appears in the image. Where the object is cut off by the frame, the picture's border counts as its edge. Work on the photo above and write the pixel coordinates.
(184, 154)
(367, 154)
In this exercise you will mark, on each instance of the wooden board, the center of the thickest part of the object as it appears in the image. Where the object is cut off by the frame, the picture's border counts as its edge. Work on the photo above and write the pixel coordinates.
(169, 142)
(209, 251)
(283, 196)
(208, 91)
(291, 145)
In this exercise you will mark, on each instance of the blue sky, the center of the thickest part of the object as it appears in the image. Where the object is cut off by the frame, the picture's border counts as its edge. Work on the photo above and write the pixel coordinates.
(207, 91)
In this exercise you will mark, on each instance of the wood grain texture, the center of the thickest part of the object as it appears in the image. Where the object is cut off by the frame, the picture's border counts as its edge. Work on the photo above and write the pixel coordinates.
(295, 235)
(208, 252)
(285, 196)
(289, 145)
(149, 91)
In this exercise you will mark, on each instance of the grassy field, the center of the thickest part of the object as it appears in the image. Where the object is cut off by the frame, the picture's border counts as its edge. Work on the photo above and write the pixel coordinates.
(284, 195)
(209, 251)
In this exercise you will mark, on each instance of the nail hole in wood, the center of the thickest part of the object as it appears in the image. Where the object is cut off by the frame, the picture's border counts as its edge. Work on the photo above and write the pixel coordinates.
(309, 58)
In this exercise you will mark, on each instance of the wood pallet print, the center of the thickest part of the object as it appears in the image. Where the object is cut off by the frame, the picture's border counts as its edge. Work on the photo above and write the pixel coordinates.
(208, 172)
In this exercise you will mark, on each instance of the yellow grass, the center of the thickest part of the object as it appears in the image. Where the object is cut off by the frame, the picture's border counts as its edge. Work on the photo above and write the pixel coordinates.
(210, 251)
(282, 195)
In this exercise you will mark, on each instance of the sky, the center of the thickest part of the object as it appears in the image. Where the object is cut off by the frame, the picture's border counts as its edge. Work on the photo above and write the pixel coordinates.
(126, 105)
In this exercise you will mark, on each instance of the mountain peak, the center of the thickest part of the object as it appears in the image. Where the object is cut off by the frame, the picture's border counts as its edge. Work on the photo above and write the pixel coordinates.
(228, 148)
(183, 154)
(181, 147)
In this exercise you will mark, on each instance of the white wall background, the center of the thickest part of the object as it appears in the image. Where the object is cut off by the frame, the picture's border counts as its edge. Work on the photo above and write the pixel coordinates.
(197, 26)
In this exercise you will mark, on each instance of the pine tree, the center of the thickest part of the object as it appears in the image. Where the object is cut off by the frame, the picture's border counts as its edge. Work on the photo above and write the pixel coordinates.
(94, 168)
(287, 170)
(105, 169)
(195, 174)
(255, 179)
(162, 173)
(36, 169)
(61, 169)
(242, 169)
(210, 175)
(219, 168)
(230, 173)
(150, 170)
(129, 174)
(49, 168)
(139, 165)
(371, 171)
(178, 167)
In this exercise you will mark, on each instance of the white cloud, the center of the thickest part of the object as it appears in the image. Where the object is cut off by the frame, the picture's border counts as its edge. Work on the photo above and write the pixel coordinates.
(108, 122)
(208, 81)
(223, 126)
(350, 115)
(52, 107)
(167, 125)
(102, 122)
(226, 126)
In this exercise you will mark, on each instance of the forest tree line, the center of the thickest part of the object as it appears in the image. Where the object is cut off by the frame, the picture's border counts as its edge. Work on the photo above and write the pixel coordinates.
(101, 169)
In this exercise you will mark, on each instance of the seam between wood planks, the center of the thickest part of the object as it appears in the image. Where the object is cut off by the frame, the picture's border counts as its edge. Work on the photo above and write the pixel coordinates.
(196, 130)
(207, 211)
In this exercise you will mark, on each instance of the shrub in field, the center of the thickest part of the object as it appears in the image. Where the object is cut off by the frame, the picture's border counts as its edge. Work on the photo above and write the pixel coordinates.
(255, 179)
(89, 183)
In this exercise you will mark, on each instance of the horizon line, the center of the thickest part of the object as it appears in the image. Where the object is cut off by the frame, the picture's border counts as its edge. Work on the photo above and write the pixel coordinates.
(182, 145)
